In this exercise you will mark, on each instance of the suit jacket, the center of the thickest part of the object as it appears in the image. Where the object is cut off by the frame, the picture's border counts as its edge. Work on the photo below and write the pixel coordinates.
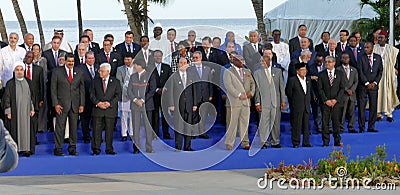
(368, 75)
(150, 59)
(37, 85)
(328, 92)
(298, 100)
(320, 49)
(23, 46)
(235, 86)
(252, 57)
(338, 57)
(180, 97)
(112, 95)
(265, 94)
(296, 54)
(95, 47)
(121, 49)
(88, 80)
(294, 44)
(51, 64)
(69, 96)
(353, 60)
(216, 56)
(78, 61)
(2, 44)
(115, 61)
(203, 85)
(339, 46)
(351, 83)
(164, 75)
(313, 71)
(142, 89)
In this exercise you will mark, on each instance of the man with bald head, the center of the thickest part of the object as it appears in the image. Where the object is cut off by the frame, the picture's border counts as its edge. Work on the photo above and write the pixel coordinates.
(80, 59)
(29, 39)
(304, 46)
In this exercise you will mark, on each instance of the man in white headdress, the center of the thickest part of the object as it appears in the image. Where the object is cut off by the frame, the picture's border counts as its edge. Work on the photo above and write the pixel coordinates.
(64, 43)
(18, 103)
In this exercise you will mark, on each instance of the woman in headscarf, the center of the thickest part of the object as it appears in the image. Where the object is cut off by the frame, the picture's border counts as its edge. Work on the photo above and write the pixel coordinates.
(38, 60)
(230, 37)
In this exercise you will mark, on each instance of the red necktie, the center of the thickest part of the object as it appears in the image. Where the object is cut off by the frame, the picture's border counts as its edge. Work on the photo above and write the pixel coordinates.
(28, 73)
(355, 53)
(70, 76)
(370, 61)
(104, 86)
(172, 47)
(108, 57)
(342, 46)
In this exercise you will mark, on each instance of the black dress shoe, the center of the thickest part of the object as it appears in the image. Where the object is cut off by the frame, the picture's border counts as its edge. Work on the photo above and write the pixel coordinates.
(26, 154)
(295, 146)
(265, 146)
(73, 153)
(361, 130)
(124, 138)
(379, 119)
(353, 131)
(111, 153)
(204, 136)
(135, 149)
(373, 130)
(276, 146)
(66, 141)
(95, 153)
(325, 145)
(189, 149)
(86, 141)
(58, 153)
(307, 145)
(37, 143)
(390, 119)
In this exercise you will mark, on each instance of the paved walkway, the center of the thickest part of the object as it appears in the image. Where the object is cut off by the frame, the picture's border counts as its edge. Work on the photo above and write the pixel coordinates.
(199, 182)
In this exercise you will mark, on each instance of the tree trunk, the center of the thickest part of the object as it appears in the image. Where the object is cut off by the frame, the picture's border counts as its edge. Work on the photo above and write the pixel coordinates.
(39, 23)
(3, 30)
(20, 17)
(80, 26)
(258, 9)
(146, 21)
(129, 15)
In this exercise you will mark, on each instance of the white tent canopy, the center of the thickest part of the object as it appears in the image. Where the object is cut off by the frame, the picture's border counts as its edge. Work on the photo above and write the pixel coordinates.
(317, 15)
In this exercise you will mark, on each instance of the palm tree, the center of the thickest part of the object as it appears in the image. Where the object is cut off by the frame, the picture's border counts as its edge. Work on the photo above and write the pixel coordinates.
(39, 22)
(3, 30)
(366, 25)
(80, 26)
(20, 17)
(258, 9)
(136, 12)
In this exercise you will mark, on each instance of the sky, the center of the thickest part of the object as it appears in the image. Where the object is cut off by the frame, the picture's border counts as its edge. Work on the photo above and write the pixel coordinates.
(111, 9)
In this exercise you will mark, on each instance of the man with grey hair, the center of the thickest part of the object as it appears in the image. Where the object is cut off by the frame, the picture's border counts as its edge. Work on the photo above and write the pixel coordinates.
(334, 51)
(105, 92)
(29, 39)
(80, 59)
(192, 39)
(252, 51)
(305, 57)
(8, 150)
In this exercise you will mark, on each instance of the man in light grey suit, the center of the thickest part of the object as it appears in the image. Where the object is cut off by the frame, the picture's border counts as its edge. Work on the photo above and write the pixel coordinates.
(240, 88)
(349, 97)
(202, 78)
(270, 100)
(8, 150)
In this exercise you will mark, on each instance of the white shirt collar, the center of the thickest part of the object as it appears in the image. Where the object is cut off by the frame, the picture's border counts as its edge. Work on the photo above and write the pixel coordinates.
(333, 71)
(67, 69)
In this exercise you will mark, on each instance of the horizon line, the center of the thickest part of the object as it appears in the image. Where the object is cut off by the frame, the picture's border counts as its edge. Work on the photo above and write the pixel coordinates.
(52, 20)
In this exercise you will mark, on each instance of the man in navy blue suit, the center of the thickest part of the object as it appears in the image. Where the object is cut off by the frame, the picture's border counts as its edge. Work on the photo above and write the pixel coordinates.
(354, 51)
(128, 45)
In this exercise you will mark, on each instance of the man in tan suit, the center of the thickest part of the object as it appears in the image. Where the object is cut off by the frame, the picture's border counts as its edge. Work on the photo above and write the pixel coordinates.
(240, 88)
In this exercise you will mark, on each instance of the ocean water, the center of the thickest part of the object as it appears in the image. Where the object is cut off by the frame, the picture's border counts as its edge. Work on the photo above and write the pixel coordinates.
(203, 27)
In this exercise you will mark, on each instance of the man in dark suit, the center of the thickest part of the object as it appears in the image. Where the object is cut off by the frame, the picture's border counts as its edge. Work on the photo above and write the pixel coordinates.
(162, 72)
(252, 51)
(192, 40)
(128, 45)
(331, 85)
(298, 91)
(343, 36)
(334, 51)
(51, 56)
(141, 89)
(370, 70)
(294, 43)
(68, 98)
(182, 101)
(212, 54)
(202, 78)
(358, 37)
(145, 53)
(35, 74)
(105, 92)
(304, 45)
(313, 73)
(93, 46)
(349, 97)
(108, 56)
(80, 54)
(90, 71)
(305, 56)
(354, 51)
(323, 47)
(29, 39)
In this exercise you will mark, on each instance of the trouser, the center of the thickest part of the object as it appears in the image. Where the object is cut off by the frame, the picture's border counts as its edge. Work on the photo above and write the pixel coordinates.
(126, 124)
(145, 116)
(101, 123)
(300, 123)
(86, 117)
(266, 124)
(317, 115)
(348, 113)
(59, 132)
(239, 116)
(156, 117)
(183, 129)
(373, 106)
(334, 114)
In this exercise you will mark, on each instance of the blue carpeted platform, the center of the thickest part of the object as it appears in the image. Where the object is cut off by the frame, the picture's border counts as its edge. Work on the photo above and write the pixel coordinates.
(215, 157)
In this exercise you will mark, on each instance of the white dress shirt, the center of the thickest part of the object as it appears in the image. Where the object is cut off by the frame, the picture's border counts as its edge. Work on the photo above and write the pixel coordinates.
(303, 83)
